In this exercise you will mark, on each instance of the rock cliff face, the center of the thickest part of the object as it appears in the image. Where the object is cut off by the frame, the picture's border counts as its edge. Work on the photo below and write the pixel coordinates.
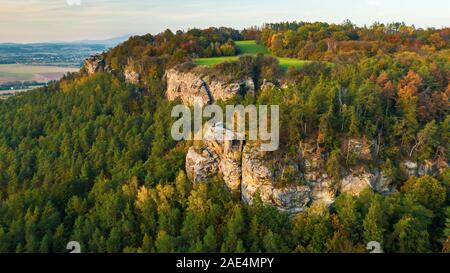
(189, 85)
(357, 181)
(247, 171)
(94, 64)
(410, 168)
(131, 75)
(201, 165)
(258, 179)
(321, 185)
(220, 154)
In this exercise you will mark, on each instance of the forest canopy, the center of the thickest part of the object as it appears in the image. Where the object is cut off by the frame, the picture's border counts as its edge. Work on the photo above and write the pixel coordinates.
(90, 158)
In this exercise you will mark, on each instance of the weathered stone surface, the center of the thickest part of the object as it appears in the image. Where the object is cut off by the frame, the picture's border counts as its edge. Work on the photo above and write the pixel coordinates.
(94, 64)
(187, 86)
(292, 199)
(382, 184)
(227, 145)
(201, 165)
(257, 179)
(356, 182)
(131, 75)
(409, 168)
(221, 155)
(427, 167)
(316, 178)
(360, 148)
(245, 169)
(192, 84)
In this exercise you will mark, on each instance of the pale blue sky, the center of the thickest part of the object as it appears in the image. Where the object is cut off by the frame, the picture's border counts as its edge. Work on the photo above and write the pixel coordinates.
(46, 20)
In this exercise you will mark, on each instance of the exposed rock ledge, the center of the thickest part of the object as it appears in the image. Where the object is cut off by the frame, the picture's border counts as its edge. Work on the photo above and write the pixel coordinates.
(258, 179)
(194, 84)
(96, 63)
(93, 64)
(245, 170)
(221, 154)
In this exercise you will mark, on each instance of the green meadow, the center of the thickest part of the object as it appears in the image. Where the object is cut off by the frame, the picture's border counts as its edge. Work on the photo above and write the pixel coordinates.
(250, 48)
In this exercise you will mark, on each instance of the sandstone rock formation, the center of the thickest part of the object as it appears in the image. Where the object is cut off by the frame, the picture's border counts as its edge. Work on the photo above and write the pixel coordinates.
(94, 64)
(257, 179)
(357, 181)
(321, 185)
(131, 75)
(221, 154)
(227, 145)
(246, 170)
(358, 147)
(194, 84)
(250, 172)
(410, 168)
(201, 165)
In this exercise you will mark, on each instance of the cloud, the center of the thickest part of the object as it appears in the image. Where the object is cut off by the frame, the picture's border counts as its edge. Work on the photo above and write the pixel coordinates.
(73, 2)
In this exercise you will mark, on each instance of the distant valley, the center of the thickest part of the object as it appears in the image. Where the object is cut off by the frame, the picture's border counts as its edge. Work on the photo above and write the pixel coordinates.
(25, 66)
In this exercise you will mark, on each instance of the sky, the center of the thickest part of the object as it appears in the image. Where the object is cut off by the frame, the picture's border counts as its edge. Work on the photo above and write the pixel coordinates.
(69, 20)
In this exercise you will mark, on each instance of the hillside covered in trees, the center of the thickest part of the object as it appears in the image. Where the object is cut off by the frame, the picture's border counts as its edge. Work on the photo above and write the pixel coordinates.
(90, 158)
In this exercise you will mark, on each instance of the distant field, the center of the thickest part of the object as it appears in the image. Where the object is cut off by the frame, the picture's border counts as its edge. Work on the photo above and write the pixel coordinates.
(250, 48)
(39, 73)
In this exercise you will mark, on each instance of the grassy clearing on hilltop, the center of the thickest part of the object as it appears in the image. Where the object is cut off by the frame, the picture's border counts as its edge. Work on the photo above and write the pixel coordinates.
(215, 60)
(250, 47)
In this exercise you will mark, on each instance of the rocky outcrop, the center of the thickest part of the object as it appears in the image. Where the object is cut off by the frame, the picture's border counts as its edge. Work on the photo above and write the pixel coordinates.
(382, 184)
(220, 155)
(358, 147)
(258, 180)
(201, 165)
(357, 181)
(131, 75)
(253, 174)
(321, 185)
(94, 64)
(194, 84)
(227, 145)
(246, 170)
(427, 167)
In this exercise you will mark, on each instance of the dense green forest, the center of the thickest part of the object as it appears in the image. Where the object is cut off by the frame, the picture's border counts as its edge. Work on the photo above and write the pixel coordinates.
(91, 159)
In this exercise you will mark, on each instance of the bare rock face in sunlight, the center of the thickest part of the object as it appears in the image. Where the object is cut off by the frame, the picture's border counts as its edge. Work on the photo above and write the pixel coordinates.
(356, 182)
(186, 86)
(359, 147)
(220, 154)
(228, 146)
(201, 165)
(193, 84)
(427, 167)
(131, 75)
(258, 180)
(94, 64)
